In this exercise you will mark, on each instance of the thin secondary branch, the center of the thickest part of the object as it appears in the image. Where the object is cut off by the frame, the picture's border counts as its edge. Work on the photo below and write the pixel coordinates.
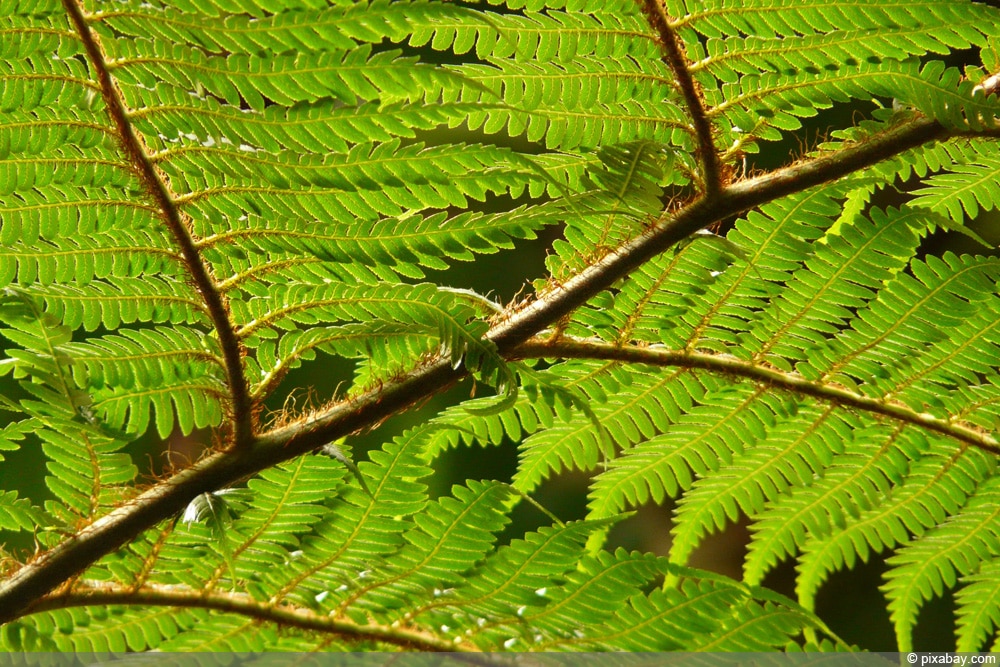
(732, 366)
(156, 185)
(27, 585)
(673, 56)
(244, 605)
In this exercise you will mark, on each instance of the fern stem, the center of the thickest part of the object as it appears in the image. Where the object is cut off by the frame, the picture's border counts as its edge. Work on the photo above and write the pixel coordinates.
(244, 605)
(673, 56)
(567, 348)
(156, 185)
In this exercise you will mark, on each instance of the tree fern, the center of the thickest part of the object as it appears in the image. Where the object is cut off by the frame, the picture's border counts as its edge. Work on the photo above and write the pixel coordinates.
(196, 199)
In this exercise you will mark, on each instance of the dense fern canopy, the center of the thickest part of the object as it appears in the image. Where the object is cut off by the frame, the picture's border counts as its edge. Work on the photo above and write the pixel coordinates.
(198, 197)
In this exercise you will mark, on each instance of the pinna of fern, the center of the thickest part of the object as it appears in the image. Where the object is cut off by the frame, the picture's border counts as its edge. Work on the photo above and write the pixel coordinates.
(194, 200)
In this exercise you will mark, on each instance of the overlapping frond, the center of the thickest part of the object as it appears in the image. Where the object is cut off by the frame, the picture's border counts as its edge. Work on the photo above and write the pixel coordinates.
(977, 607)
(197, 197)
(309, 547)
(956, 547)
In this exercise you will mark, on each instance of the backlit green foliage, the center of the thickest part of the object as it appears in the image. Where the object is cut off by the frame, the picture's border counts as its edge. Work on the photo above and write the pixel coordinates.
(196, 198)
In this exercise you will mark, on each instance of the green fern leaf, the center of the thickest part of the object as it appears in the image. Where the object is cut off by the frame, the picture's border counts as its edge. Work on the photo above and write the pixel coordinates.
(448, 539)
(197, 198)
(966, 190)
(695, 444)
(14, 433)
(935, 487)
(793, 452)
(358, 528)
(18, 513)
(850, 264)
(639, 408)
(977, 608)
(926, 566)
(853, 482)
(490, 593)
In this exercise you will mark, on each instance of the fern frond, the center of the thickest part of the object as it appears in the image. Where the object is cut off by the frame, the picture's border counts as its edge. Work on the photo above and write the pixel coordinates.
(777, 240)
(729, 58)
(666, 464)
(371, 180)
(964, 190)
(449, 538)
(63, 212)
(304, 28)
(630, 406)
(798, 447)
(853, 482)
(922, 160)
(666, 619)
(285, 79)
(717, 18)
(80, 424)
(14, 433)
(649, 306)
(194, 403)
(556, 34)
(39, 34)
(793, 60)
(113, 629)
(591, 595)
(405, 245)
(19, 513)
(359, 528)
(39, 80)
(423, 308)
(147, 358)
(625, 190)
(282, 507)
(907, 319)
(850, 263)
(219, 632)
(490, 592)
(950, 99)
(307, 128)
(45, 132)
(40, 173)
(382, 348)
(766, 104)
(544, 104)
(931, 563)
(978, 607)
(80, 260)
(935, 486)
(539, 403)
(755, 628)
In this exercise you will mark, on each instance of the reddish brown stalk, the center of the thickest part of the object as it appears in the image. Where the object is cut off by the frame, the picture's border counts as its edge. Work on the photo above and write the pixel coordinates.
(155, 184)
(676, 60)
